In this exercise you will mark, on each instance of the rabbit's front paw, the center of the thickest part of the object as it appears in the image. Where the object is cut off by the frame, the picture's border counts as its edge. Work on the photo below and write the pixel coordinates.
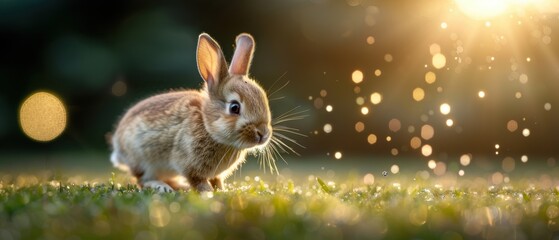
(159, 186)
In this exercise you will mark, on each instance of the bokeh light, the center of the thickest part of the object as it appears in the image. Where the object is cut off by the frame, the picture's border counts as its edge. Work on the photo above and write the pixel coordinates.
(445, 108)
(526, 132)
(432, 164)
(430, 77)
(512, 125)
(318, 103)
(449, 122)
(508, 164)
(356, 89)
(426, 150)
(497, 178)
(42, 116)
(418, 94)
(394, 125)
(465, 159)
(372, 138)
(547, 106)
(119, 88)
(369, 179)
(440, 169)
(438, 61)
(523, 78)
(427, 132)
(364, 110)
(370, 40)
(338, 155)
(327, 128)
(395, 169)
(360, 100)
(388, 58)
(359, 127)
(415, 142)
(376, 98)
(357, 76)
(481, 94)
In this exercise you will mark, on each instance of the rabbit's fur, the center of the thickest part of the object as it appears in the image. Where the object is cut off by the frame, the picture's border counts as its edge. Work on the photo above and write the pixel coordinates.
(196, 134)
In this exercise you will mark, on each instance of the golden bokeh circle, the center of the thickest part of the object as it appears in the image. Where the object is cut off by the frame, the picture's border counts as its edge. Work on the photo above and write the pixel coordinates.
(42, 116)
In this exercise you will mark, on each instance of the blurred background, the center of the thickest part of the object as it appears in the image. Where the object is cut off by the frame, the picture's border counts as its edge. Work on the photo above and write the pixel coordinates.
(438, 83)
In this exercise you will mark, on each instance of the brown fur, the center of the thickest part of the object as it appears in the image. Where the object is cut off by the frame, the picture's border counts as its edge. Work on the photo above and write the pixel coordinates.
(191, 133)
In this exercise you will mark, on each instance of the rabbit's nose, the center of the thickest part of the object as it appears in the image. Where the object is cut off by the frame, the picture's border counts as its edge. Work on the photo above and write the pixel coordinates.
(262, 133)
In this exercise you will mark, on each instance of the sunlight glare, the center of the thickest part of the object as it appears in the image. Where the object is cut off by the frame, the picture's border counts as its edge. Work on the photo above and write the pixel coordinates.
(482, 9)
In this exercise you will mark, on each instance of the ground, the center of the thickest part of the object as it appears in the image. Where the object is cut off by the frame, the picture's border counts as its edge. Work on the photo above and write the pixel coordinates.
(316, 206)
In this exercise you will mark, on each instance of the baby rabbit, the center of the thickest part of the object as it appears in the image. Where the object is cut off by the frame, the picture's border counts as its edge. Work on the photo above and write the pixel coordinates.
(202, 135)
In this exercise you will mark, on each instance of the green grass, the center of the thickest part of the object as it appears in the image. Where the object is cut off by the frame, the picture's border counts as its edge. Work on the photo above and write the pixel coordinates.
(254, 209)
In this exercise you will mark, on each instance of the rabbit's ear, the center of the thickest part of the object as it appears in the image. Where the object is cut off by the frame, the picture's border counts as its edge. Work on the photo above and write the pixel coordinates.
(243, 55)
(211, 63)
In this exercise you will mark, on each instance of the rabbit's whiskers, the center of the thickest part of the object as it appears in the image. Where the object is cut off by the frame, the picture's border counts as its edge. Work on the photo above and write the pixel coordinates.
(280, 140)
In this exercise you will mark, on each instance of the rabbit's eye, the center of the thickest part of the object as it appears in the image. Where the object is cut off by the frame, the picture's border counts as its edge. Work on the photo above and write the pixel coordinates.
(235, 107)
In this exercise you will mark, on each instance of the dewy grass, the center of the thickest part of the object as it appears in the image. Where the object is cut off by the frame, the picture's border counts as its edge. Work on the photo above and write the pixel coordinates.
(254, 209)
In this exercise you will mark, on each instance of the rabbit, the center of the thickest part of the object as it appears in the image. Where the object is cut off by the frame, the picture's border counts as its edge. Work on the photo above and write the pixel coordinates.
(202, 135)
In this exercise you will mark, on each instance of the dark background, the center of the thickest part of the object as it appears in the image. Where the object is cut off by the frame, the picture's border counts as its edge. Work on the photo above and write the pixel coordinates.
(79, 49)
